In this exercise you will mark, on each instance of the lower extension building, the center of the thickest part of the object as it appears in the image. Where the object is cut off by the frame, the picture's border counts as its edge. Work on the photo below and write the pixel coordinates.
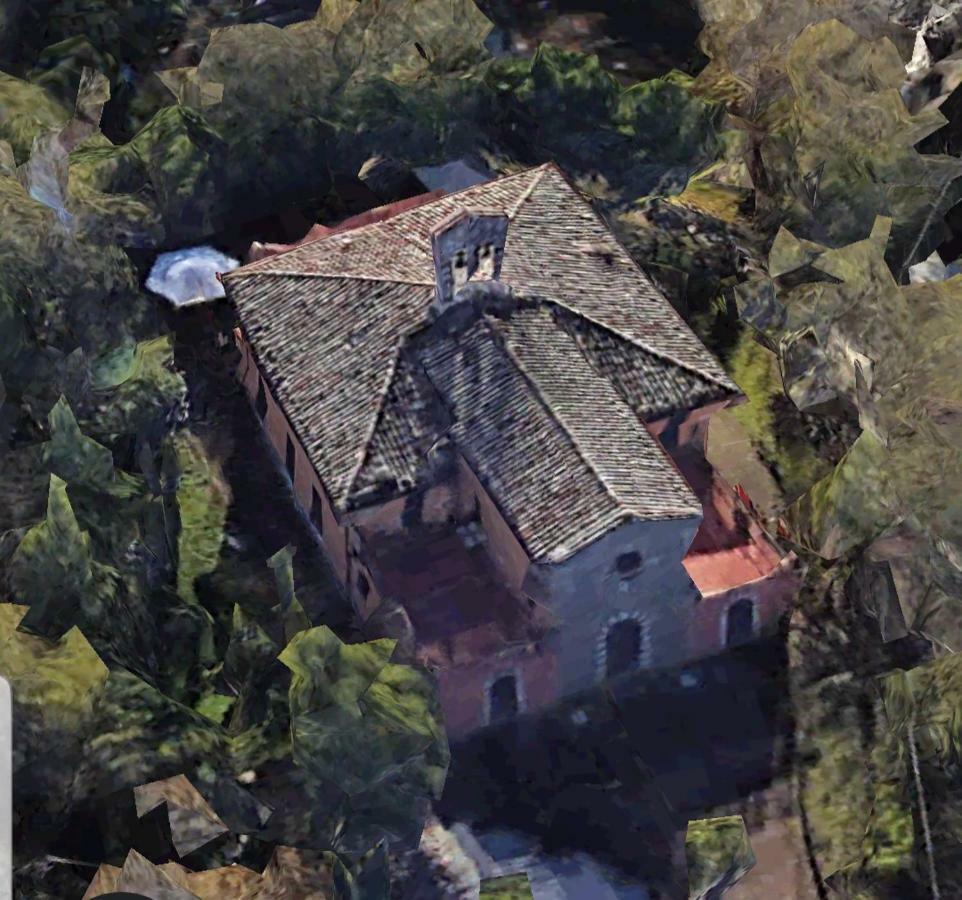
(497, 424)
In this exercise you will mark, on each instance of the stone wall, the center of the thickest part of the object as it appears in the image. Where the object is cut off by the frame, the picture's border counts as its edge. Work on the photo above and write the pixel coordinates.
(589, 594)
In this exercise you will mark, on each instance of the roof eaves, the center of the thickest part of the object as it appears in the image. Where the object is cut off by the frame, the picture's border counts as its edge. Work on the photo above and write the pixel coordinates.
(725, 382)
(376, 279)
(632, 262)
(589, 536)
(365, 449)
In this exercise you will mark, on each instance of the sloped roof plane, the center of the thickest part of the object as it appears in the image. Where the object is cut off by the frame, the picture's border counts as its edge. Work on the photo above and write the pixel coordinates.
(331, 320)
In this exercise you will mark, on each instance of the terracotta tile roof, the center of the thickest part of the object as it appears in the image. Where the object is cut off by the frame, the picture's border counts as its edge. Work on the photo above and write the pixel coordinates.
(559, 248)
(650, 384)
(564, 457)
(328, 320)
(374, 252)
(721, 570)
(411, 421)
(328, 347)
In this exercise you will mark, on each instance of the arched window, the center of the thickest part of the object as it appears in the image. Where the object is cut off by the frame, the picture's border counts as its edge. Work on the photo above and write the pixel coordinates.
(623, 647)
(628, 563)
(363, 586)
(503, 699)
(459, 269)
(486, 260)
(739, 622)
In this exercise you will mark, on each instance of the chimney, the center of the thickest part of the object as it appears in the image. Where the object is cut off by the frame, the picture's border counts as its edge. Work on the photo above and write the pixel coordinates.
(467, 245)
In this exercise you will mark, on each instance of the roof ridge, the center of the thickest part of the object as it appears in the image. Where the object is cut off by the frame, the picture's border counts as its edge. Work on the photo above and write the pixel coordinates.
(563, 424)
(530, 189)
(641, 345)
(637, 267)
(253, 268)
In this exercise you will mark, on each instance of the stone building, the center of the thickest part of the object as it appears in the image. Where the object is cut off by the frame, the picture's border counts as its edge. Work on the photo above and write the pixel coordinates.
(497, 424)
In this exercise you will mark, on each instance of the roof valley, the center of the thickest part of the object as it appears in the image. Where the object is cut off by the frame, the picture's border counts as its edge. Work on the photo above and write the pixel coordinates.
(336, 327)
(553, 414)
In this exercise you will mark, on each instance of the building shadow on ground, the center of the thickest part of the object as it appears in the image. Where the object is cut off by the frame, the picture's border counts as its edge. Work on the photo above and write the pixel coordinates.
(622, 785)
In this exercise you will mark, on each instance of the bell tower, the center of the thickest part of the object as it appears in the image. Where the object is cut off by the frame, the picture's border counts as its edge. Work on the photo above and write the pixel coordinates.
(467, 246)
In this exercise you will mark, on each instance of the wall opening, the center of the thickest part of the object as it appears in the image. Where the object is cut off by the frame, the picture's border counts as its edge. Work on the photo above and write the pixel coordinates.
(628, 563)
(317, 514)
(459, 269)
(486, 260)
(739, 623)
(623, 648)
(261, 403)
(413, 513)
(503, 699)
(669, 436)
(289, 458)
(363, 586)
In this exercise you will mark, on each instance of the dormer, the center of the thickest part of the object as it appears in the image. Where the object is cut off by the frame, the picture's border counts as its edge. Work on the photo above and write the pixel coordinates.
(467, 246)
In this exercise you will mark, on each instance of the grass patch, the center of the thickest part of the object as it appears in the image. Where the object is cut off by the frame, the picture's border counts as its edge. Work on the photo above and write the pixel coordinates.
(203, 498)
(793, 462)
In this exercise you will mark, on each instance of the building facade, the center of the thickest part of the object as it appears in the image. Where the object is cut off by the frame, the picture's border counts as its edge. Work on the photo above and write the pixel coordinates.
(497, 427)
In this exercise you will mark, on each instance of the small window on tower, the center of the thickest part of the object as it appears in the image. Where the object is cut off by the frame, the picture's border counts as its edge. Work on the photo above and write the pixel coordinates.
(628, 563)
(486, 260)
(459, 269)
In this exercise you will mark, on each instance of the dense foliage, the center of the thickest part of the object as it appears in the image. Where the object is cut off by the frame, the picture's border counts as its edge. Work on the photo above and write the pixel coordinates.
(780, 196)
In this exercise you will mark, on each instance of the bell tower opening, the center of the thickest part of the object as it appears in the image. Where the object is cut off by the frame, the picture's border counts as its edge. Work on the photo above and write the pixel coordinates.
(467, 246)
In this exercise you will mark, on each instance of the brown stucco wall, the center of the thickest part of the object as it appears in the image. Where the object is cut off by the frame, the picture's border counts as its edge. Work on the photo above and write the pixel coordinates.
(462, 689)
(693, 429)
(383, 519)
(277, 429)
(773, 596)
(441, 503)
(504, 548)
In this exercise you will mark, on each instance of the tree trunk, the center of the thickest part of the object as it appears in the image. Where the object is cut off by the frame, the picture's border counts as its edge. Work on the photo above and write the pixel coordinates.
(923, 809)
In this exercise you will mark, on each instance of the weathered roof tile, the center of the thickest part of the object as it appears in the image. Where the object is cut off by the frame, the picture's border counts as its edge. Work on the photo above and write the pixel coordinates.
(330, 320)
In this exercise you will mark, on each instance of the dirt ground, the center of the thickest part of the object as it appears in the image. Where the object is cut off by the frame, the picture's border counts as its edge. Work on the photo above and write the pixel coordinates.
(781, 871)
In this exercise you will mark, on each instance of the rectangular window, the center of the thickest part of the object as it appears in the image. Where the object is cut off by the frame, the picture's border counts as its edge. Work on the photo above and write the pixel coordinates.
(503, 699)
(317, 516)
(261, 404)
(289, 458)
(363, 586)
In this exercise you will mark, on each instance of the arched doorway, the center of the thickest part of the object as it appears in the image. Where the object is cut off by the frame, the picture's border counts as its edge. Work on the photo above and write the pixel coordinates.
(503, 699)
(739, 623)
(623, 647)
